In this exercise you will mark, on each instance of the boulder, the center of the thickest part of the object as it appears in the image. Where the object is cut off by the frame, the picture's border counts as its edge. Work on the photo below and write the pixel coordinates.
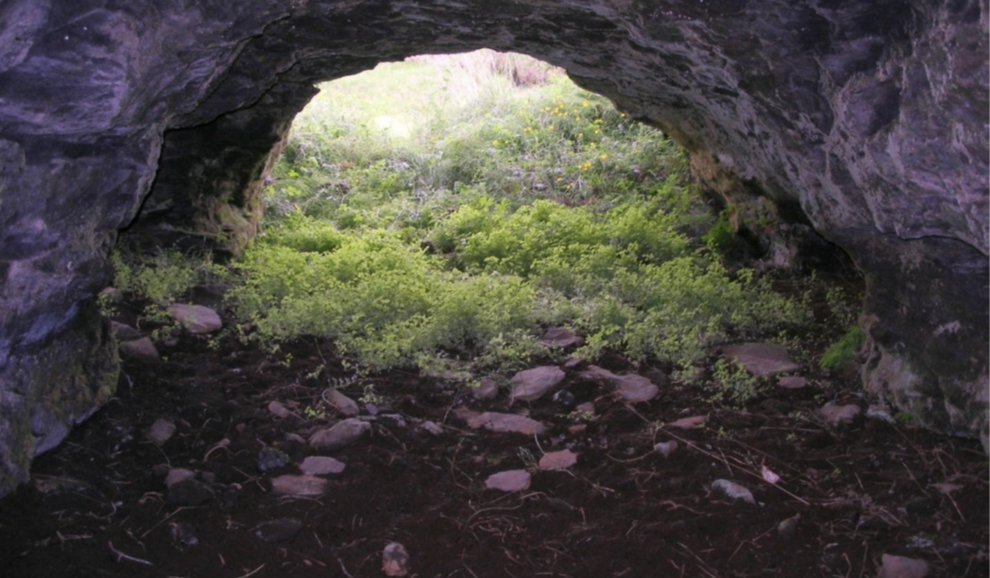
(141, 349)
(195, 318)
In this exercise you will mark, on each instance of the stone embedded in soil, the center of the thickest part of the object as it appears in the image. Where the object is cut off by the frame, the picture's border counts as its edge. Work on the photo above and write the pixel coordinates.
(787, 528)
(666, 449)
(586, 407)
(487, 389)
(762, 359)
(280, 531)
(733, 491)
(563, 398)
(189, 493)
(289, 485)
(395, 560)
(142, 349)
(558, 337)
(342, 403)
(501, 422)
(183, 534)
(578, 428)
(840, 415)
(692, 422)
(124, 332)
(574, 363)
(792, 382)
(321, 466)
(178, 475)
(271, 459)
(902, 567)
(558, 460)
(278, 410)
(340, 435)
(432, 427)
(531, 384)
(195, 318)
(631, 388)
(161, 431)
(510, 481)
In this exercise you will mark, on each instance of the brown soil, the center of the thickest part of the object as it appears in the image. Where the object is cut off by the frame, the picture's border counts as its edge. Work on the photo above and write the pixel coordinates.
(622, 511)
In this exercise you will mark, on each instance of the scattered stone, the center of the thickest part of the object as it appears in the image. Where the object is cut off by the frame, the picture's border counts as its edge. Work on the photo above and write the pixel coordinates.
(487, 389)
(161, 470)
(395, 560)
(733, 491)
(296, 438)
(271, 459)
(289, 485)
(371, 408)
(124, 332)
(563, 398)
(788, 527)
(432, 427)
(340, 435)
(631, 387)
(877, 412)
(792, 382)
(196, 318)
(692, 422)
(558, 460)
(142, 349)
(840, 415)
(574, 363)
(531, 384)
(208, 477)
(183, 534)
(321, 466)
(901, 567)
(342, 403)
(189, 493)
(666, 449)
(762, 359)
(280, 531)
(558, 337)
(501, 422)
(510, 481)
(178, 475)
(586, 407)
(279, 410)
(161, 431)
(396, 419)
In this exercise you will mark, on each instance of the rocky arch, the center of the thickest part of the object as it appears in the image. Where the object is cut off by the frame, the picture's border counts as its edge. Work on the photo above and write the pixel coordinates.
(864, 120)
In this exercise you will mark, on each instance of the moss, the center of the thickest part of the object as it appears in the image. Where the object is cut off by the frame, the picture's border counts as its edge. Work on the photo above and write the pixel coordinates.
(844, 350)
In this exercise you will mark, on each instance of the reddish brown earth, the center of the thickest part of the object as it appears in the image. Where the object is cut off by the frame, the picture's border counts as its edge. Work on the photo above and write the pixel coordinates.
(622, 511)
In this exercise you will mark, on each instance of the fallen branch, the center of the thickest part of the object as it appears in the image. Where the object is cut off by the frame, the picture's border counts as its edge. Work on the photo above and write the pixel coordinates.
(121, 556)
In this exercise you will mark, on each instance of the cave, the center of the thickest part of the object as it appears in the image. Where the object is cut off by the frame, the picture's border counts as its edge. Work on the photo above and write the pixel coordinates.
(859, 125)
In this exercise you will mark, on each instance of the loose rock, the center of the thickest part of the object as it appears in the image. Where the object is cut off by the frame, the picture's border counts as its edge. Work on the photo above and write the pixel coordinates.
(124, 332)
(161, 431)
(901, 567)
(840, 415)
(395, 560)
(531, 384)
(342, 403)
(631, 387)
(280, 531)
(178, 475)
(142, 349)
(279, 410)
(289, 485)
(762, 359)
(560, 338)
(692, 422)
(510, 481)
(432, 427)
(586, 407)
(733, 491)
(195, 318)
(340, 435)
(501, 422)
(487, 389)
(189, 493)
(183, 534)
(321, 466)
(666, 449)
(792, 382)
(558, 460)
(788, 527)
(563, 398)
(271, 459)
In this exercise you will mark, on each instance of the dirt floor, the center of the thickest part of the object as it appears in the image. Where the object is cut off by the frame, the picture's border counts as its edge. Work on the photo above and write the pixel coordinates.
(98, 505)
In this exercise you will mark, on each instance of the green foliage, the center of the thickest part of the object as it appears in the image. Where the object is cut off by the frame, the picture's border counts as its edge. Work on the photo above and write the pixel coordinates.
(163, 277)
(844, 350)
(732, 384)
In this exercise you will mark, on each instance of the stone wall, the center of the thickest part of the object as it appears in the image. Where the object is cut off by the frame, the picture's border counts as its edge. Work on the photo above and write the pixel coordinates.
(862, 119)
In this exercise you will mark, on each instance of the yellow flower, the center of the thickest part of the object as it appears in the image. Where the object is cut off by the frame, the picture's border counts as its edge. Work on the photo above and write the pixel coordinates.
(495, 142)
(560, 179)
(603, 156)
(622, 114)
(584, 103)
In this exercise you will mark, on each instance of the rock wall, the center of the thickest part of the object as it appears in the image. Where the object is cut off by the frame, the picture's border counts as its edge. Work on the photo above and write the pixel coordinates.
(863, 119)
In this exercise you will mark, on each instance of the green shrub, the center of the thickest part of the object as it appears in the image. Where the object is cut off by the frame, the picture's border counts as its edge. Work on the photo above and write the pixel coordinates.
(844, 350)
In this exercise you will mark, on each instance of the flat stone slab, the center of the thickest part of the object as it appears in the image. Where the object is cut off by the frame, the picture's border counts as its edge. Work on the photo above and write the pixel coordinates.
(902, 567)
(195, 318)
(321, 466)
(558, 460)
(501, 422)
(560, 338)
(289, 485)
(840, 415)
(531, 384)
(178, 475)
(792, 382)
(733, 491)
(340, 435)
(762, 359)
(510, 481)
(631, 388)
(692, 422)
(342, 403)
